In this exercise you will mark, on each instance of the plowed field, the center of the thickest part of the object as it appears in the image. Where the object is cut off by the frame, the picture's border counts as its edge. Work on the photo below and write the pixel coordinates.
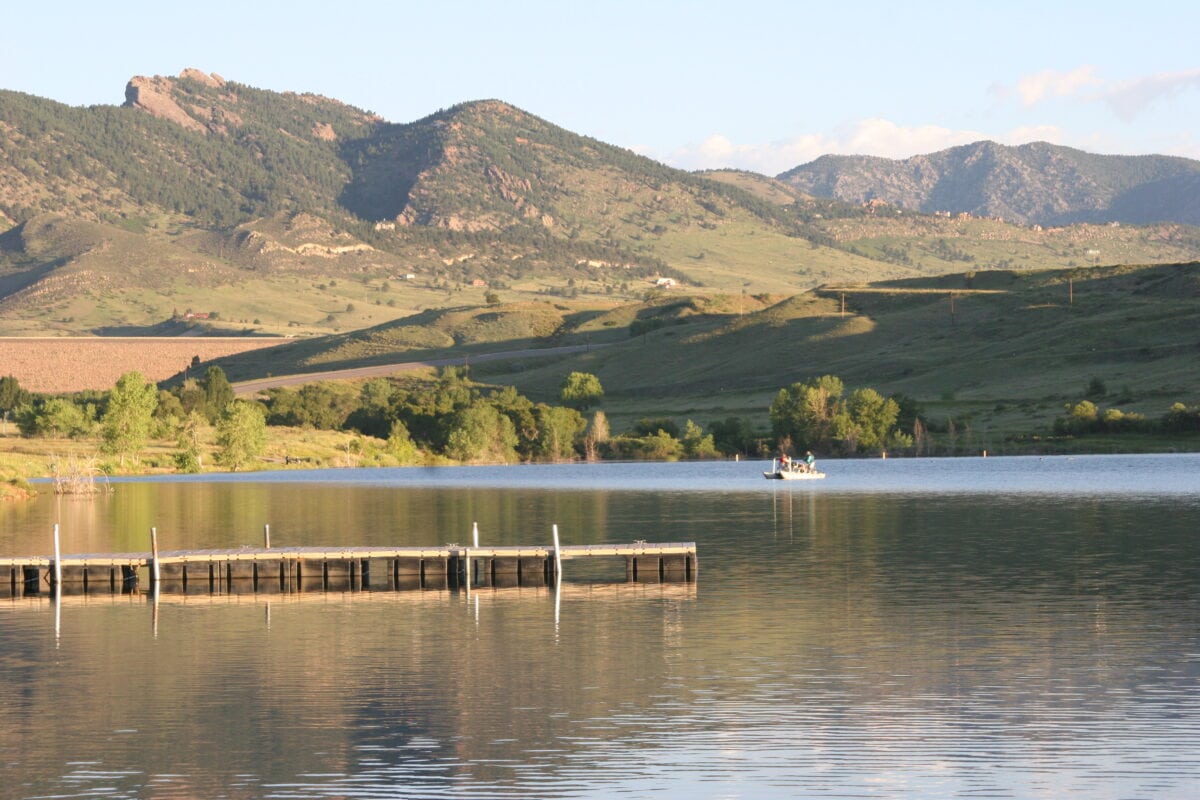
(58, 364)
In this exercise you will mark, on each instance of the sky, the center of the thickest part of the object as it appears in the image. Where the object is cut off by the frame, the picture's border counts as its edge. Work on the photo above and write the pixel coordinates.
(753, 84)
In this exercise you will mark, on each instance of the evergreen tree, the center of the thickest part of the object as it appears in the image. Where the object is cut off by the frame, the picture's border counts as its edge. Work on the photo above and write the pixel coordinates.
(218, 393)
(11, 395)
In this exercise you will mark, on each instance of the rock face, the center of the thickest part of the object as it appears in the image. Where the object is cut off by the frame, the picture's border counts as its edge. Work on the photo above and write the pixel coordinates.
(214, 80)
(153, 95)
(1033, 183)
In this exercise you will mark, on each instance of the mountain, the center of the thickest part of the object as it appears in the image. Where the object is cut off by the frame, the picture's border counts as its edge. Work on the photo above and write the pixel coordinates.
(1035, 183)
(296, 214)
(299, 207)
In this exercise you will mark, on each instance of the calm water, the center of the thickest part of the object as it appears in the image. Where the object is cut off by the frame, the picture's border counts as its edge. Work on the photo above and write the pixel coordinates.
(1025, 628)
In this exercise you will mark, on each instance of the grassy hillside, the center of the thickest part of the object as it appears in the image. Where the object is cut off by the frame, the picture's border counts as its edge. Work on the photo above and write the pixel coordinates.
(999, 352)
(994, 353)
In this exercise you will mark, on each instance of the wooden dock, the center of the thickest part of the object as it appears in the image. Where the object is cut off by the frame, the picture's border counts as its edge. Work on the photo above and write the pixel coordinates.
(295, 569)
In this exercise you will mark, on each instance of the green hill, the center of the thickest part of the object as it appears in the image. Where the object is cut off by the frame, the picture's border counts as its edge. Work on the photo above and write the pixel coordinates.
(996, 353)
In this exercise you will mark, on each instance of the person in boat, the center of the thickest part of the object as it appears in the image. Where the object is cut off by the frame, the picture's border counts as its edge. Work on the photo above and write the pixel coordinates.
(810, 461)
(785, 462)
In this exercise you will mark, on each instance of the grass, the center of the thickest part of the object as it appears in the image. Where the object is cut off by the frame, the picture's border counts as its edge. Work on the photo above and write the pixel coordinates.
(1001, 359)
(1005, 361)
(22, 459)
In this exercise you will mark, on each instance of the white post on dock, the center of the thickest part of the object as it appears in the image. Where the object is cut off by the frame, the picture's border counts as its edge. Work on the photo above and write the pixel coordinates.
(267, 536)
(474, 544)
(154, 571)
(557, 556)
(57, 559)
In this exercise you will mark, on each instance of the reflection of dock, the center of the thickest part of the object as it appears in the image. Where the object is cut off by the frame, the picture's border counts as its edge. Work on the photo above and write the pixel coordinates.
(243, 593)
(298, 569)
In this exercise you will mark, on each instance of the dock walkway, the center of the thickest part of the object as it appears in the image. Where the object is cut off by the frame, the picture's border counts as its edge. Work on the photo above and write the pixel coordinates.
(325, 568)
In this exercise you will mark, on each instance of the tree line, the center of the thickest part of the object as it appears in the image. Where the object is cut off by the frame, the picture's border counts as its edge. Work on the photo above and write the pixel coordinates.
(451, 419)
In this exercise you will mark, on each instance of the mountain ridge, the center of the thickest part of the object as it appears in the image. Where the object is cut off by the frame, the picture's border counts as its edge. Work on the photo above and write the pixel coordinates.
(292, 213)
(1033, 183)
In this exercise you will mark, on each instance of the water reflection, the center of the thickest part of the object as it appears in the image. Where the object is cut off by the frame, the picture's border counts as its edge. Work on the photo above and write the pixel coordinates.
(863, 644)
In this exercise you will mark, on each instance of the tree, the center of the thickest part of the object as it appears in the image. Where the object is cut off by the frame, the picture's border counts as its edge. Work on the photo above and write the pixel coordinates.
(241, 434)
(11, 395)
(580, 390)
(189, 458)
(696, 443)
(218, 393)
(597, 434)
(649, 426)
(323, 405)
(734, 435)
(401, 445)
(659, 446)
(872, 419)
(519, 409)
(481, 433)
(809, 413)
(558, 428)
(126, 423)
(55, 416)
(374, 415)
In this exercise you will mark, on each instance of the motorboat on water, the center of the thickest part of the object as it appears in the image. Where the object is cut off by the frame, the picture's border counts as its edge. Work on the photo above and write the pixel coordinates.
(792, 471)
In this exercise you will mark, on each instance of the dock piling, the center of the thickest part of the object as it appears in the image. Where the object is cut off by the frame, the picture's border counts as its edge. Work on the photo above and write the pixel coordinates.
(557, 555)
(57, 558)
(155, 573)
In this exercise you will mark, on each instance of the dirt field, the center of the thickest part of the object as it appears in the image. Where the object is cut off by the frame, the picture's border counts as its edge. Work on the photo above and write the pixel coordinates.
(71, 364)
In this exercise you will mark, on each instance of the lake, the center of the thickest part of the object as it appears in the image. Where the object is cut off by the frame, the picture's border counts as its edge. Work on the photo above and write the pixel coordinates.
(999, 627)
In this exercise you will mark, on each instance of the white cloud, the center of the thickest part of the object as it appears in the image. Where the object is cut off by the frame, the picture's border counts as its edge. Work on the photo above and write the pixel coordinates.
(1127, 99)
(1033, 89)
(872, 137)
